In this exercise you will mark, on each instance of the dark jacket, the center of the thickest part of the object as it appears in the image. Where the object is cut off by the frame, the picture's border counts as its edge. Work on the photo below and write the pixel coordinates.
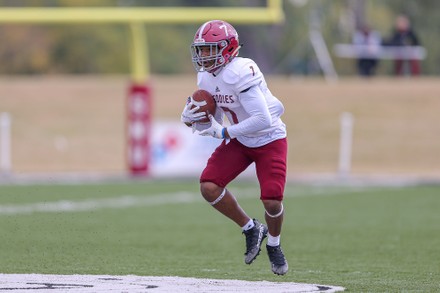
(403, 38)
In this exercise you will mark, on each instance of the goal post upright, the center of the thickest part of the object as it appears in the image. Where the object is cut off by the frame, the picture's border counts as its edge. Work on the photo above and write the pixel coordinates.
(139, 100)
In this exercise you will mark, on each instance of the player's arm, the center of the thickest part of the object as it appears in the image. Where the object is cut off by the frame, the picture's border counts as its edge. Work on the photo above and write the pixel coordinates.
(254, 103)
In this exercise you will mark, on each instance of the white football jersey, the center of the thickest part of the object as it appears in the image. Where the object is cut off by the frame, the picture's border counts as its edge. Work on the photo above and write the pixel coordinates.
(242, 95)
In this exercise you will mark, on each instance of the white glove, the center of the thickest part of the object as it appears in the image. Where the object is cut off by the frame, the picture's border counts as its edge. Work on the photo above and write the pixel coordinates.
(216, 130)
(189, 116)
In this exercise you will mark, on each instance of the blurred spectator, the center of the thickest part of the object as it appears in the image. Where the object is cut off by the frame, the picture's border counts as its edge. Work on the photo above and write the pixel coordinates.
(403, 35)
(368, 42)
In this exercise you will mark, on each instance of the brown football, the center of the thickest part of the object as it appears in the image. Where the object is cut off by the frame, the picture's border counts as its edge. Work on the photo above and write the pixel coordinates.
(206, 102)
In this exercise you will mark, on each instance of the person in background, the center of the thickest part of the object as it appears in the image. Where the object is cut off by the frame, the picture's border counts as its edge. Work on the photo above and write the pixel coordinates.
(368, 42)
(404, 35)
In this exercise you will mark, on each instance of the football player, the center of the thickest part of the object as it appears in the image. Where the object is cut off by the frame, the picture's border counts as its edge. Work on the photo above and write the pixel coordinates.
(255, 134)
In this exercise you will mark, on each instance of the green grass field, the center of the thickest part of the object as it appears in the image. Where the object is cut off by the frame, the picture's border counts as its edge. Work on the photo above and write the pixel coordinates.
(366, 239)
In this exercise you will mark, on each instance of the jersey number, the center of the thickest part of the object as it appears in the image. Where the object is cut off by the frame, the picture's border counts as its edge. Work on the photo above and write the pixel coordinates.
(233, 115)
(253, 71)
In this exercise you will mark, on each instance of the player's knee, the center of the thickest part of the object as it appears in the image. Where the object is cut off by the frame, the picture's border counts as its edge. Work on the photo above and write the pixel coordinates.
(210, 191)
(274, 208)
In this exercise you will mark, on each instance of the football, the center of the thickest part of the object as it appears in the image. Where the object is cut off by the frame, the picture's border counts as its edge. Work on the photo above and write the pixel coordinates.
(206, 102)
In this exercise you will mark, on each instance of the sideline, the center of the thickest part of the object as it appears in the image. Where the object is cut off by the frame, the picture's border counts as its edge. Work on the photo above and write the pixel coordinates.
(25, 283)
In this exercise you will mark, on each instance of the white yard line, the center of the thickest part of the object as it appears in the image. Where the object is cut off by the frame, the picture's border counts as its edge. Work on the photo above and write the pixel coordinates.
(105, 283)
(128, 201)
(121, 202)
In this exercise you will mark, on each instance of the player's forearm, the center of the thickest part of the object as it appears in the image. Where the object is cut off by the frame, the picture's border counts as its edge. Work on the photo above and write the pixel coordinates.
(259, 116)
(249, 126)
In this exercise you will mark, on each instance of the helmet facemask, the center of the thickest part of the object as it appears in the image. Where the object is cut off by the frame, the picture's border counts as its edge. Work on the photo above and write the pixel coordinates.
(208, 56)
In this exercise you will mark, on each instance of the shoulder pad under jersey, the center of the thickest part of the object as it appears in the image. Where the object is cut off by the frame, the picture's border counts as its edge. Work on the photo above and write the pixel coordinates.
(243, 73)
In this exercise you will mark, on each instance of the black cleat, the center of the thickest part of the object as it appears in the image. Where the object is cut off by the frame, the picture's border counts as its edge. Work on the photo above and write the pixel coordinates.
(278, 262)
(254, 239)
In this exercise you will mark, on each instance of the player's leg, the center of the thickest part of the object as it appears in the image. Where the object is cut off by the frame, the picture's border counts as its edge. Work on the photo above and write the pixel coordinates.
(274, 217)
(224, 202)
(225, 164)
(271, 165)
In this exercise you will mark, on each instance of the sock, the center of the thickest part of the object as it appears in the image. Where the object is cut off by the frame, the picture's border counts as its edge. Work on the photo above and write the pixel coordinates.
(248, 226)
(273, 241)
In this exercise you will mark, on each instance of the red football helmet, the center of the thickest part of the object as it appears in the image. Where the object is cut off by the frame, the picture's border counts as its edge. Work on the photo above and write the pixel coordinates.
(215, 44)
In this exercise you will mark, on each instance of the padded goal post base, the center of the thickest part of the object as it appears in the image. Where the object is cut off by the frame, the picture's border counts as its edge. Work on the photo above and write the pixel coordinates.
(139, 110)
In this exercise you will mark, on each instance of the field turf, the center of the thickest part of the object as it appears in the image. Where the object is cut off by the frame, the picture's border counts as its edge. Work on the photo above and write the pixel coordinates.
(366, 239)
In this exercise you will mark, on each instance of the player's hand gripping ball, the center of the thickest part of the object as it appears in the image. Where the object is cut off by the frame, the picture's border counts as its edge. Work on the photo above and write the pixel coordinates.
(206, 102)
